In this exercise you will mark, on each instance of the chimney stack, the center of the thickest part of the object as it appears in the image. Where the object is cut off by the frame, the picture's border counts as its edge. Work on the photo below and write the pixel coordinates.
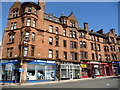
(86, 26)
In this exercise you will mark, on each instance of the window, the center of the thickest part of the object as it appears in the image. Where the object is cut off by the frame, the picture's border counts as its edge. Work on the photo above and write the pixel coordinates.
(82, 35)
(35, 11)
(33, 37)
(15, 13)
(81, 44)
(11, 38)
(9, 52)
(34, 23)
(64, 32)
(74, 56)
(64, 21)
(96, 56)
(114, 57)
(91, 37)
(13, 25)
(100, 57)
(72, 34)
(83, 55)
(119, 49)
(112, 39)
(98, 47)
(105, 40)
(57, 30)
(28, 21)
(92, 46)
(29, 9)
(51, 29)
(106, 48)
(107, 57)
(57, 42)
(50, 53)
(84, 44)
(72, 24)
(73, 44)
(65, 55)
(93, 57)
(27, 36)
(25, 50)
(32, 50)
(50, 40)
(64, 43)
(57, 54)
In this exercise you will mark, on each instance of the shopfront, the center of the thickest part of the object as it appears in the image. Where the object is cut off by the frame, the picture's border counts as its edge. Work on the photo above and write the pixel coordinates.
(69, 70)
(9, 72)
(40, 70)
(116, 68)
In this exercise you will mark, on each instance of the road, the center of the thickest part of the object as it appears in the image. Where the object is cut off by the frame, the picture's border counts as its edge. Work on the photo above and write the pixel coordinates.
(111, 82)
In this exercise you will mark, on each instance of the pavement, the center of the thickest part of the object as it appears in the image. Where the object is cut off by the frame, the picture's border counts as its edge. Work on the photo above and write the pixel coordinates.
(61, 81)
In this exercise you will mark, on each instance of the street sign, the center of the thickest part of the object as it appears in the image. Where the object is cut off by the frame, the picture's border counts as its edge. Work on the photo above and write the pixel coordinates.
(21, 69)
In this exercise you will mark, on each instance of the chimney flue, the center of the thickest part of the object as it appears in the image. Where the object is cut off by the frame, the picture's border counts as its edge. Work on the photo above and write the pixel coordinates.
(86, 26)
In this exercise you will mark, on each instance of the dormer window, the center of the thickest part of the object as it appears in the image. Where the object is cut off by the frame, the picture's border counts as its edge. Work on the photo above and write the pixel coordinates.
(112, 39)
(64, 21)
(29, 9)
(15, 13)
(72, 24)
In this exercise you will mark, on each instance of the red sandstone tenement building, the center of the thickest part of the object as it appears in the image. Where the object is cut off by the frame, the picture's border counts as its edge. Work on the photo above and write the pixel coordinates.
(46, 46)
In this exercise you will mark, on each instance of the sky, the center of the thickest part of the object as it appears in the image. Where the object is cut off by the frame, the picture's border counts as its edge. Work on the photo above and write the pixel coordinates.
(99, 15)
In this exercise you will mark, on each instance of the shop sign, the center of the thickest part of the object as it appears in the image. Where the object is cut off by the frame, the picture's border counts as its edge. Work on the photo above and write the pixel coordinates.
(40, 61)
(94, 62)
(96, 66)
(50, 61)
(83, 65)
(7, 61)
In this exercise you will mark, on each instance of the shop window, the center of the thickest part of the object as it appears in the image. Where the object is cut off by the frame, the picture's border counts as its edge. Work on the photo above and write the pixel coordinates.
(25, 49)
(57, 42)
(28, 21)
(40, 72)
(33, 36)
(34, 23)
(93, 57)
(64, 43)
(57, 54)
(50, 53)
(57, 32)
(9, 52)
(65, 55)
(32, 50)
(50, 40)
(51, 29)
(64, 32)
(29, 9)
(13, 25)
